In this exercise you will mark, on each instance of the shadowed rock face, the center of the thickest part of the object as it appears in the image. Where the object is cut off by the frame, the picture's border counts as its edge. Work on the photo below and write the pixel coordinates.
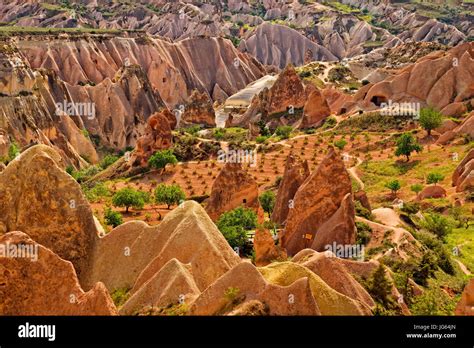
(323, 210)
(295, 174)
(440, 79)
(157, 137)
(233, 187)
(47, 285)
(39, 198)
(265, 249)
(316, 109)
(463, 176)
(280, 45)
(198, 111)
(173, 69)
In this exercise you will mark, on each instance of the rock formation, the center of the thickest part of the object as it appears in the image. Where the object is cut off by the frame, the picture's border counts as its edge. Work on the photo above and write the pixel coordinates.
(265, 249)
(463, 176)
(245, 283)
(40, 199)
(233, 187)
(36, 281)
(157, 137)
(323, 210)
(198, 111)
(315, 111)
(466, 304)
(440, 79)
(334, 273)
(186, 234)
(330, 302)
(279, 45)
(294, 175)
(432, 191)
(361, 196)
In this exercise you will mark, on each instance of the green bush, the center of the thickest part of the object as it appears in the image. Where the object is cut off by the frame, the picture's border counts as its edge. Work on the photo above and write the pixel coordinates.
(128, 197)
(160, 159)
(406, 144)
(362, 211)
(340, 144)
(169, 194)
(430, 119)
(417, 188)
(393, 186)
(434, 178)
(13, 151)
(284, 131)
(112, 218)
(436, 224)
(98, 191)
(364, 232)
(433, 301)
(108, 161)
(267, 201)
(234, 225)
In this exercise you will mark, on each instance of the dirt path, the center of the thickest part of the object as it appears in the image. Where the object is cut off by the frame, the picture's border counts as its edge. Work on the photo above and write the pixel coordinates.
(463, 268)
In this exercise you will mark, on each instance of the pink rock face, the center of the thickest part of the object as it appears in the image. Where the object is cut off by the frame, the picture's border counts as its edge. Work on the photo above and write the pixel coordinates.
(466, 304)
(198, 111)
(323, 210)
(265, 249)
(233, 187)
(47, 285)
(295, 174)
(38, 197)
(315, 111)
(157, 137)
(438, 79)
(433, 191)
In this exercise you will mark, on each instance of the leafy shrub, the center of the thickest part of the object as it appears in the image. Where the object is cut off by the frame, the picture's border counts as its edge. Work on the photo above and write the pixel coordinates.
(406, 144)
(434, 178)
(364, 233)
(362, 211)
(112, 218)
(284, 131)
(393, 186)
(128, 197)
(169, 194)
(267, 201)
(430, 119)
(436, 224)
(160, 159)
(234, 225)
(108, 161)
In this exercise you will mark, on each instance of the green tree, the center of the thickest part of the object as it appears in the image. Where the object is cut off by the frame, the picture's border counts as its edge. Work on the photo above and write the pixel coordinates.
(380, 287)
(108, 161)
(393, 186)
(234, 225)
(13, 151)
(267, 201)
(417, 188)
(406, 144)
(160, 159)
(169, 194)
(434, 178)
(437, 224)
(430, 119)
(112, 218)
(284, 131)
(128, 197)
(340, 144)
